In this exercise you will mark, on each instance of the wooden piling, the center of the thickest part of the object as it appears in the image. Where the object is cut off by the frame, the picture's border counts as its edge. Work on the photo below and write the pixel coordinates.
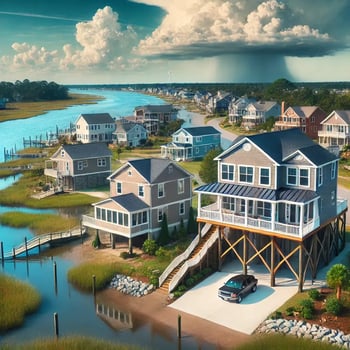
(55, 275)
(2, 250)
(179, 326)
(94, 285)
(55, 324)
(26, 246)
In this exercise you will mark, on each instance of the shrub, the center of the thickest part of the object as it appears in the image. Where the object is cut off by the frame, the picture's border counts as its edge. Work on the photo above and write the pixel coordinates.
(333, 305)
(307, 308)
(314, 294)
(290, 311)
(161, 252)
(96, 243)
(276, 315)
(150, 246)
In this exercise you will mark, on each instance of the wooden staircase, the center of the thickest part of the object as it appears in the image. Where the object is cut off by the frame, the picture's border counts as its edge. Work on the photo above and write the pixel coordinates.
(164, 288)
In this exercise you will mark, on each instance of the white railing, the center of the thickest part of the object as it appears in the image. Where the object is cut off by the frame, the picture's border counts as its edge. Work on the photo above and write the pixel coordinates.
(263, 223)
(42, 240)
(178, 260)
(335, 134)
(193, 261)
(342, 205)
(184, 256)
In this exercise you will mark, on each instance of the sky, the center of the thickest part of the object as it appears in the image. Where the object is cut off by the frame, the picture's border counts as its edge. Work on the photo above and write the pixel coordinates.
(169, 41)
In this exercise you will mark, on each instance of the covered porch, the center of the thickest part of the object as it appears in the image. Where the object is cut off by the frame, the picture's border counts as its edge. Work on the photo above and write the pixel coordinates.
(176, 151)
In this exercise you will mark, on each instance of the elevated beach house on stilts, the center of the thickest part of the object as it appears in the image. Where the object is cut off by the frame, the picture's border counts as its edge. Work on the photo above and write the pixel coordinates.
(142, 191)
(275, 203)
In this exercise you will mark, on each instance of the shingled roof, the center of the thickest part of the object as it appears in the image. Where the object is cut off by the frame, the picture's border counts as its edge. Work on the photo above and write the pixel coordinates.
(280, 145)
(201, 130)
(97, 118)
(86, 150)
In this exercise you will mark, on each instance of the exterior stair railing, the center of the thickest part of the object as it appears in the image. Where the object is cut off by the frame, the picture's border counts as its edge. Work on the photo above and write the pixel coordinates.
(193, 261)
(184, 256)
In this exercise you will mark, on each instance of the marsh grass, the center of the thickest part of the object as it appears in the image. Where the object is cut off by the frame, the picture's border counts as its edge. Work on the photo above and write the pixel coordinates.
(81, 276)
(38, 223)
(73, 342)
(23, 110)
(19, 194)
(17, 300)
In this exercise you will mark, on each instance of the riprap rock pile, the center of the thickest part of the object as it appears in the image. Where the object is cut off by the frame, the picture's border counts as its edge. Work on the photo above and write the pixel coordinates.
(128, 285)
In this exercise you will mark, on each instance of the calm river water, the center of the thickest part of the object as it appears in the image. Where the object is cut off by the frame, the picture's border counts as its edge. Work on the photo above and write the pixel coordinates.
(76, 310)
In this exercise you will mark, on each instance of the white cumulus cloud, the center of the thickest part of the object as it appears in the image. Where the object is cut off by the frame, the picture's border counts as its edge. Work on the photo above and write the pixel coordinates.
(219, 27)
(101, 42)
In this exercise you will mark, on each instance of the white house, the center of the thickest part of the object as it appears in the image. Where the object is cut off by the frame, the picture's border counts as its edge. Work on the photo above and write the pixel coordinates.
(94, 127)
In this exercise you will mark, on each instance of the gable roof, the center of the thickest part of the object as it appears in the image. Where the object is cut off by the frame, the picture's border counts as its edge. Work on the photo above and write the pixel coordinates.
(128, 201)
(155, 170)
(304, 111)
(343, 114)
(280, 145)
(97, 118)
(262, 105)
(126, 125)
(201, 130)
(85, 150)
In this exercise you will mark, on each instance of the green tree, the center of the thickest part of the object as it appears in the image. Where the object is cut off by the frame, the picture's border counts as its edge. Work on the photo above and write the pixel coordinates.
(208, 171)
(164, 238)
(191, 224)
(338, 277)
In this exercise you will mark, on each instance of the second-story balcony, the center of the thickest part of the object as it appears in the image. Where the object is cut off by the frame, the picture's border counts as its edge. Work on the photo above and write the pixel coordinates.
(289, 213)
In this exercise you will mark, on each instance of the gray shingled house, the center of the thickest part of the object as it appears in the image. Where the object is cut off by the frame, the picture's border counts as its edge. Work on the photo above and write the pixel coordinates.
(141, 192)
(80, 166)
(275, 204)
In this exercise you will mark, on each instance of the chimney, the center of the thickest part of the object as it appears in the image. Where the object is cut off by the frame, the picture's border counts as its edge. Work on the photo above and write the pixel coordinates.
(282, 108)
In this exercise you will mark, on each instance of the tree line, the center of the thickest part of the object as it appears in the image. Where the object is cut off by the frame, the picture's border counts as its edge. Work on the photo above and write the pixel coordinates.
(32, 91)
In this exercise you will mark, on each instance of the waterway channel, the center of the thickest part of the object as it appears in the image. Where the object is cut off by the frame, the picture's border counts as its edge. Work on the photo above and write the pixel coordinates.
(77, 312)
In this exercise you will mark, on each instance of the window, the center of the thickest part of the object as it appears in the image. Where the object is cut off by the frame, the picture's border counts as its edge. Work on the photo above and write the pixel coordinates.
(180, 186)
(80, 165)
(139, 218)
(298, 177)
(228, 203)
(320, 176)
(304, 177)
(119, 187)
(264, 209)
(62, 153)
(246, 174)
(160, 215)
(160, 190)
(98, 213)
(333, 170)
(264, 176)
(101, 162)
(291, 176)
(199, 138)
(227, 172)
(182, 208)
(333, 197)
(141, 191)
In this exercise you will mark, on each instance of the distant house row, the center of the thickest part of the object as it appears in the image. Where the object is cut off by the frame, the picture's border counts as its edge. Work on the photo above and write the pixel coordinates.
(128, 131)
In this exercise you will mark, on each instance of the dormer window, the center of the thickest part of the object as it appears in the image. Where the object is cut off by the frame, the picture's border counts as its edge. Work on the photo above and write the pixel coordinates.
(298, 176)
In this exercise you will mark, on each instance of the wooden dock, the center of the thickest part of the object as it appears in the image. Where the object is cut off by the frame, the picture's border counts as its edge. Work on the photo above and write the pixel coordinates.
(57, 238)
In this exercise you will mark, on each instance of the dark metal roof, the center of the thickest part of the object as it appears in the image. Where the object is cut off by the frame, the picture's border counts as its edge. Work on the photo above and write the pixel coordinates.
(98, 118)
(130, 202)
(285, 194)
(202, 130)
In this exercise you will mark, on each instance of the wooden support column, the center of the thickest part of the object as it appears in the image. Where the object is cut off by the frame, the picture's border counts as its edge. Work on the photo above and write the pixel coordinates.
(130, 246)
(114, 240)
(301, 268)
(220, 248)
(272, 263)
(245, 252)
(314, 255)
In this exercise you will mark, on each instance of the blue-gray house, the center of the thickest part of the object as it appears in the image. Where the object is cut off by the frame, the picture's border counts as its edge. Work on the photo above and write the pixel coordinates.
(191, 143)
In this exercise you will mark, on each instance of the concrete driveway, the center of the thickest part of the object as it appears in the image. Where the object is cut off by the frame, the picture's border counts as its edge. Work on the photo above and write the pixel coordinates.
(203, 301)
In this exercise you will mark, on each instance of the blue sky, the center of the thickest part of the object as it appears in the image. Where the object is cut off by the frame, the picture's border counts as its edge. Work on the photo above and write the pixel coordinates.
(150, 41)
